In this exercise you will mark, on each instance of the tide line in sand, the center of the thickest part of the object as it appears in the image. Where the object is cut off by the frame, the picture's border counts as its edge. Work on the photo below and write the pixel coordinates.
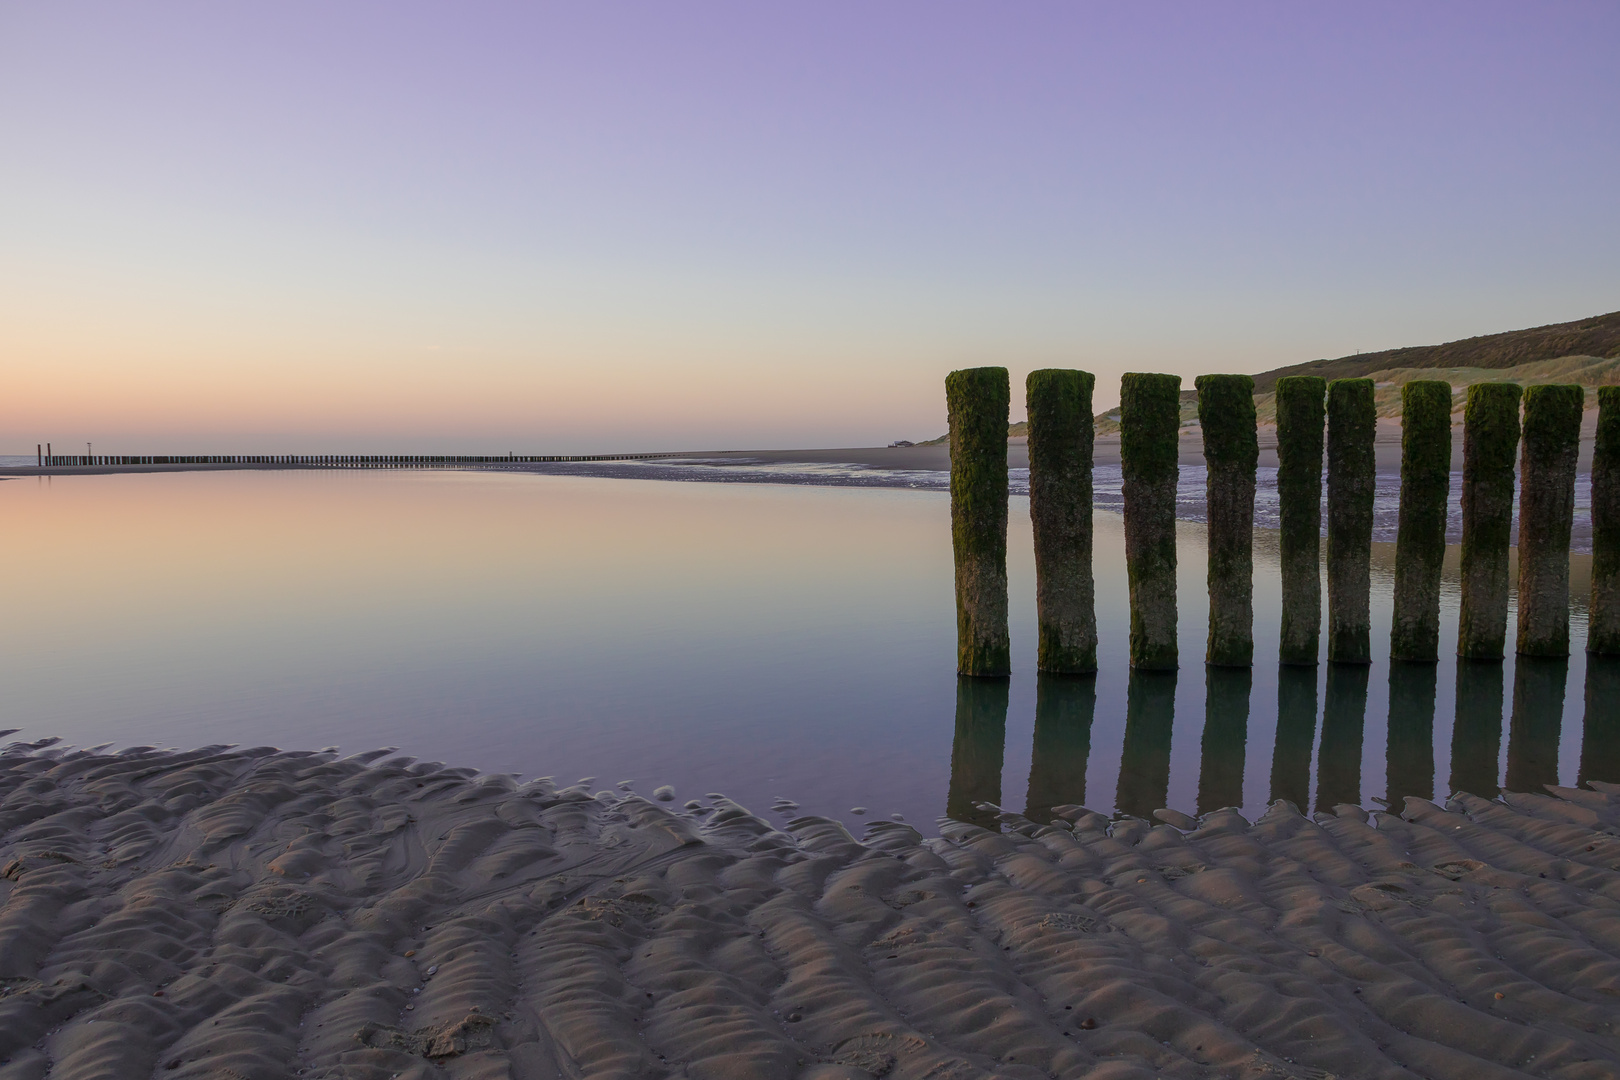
(262, 913)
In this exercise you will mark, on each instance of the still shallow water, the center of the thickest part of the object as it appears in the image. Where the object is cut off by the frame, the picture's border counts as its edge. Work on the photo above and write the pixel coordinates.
(764, 640)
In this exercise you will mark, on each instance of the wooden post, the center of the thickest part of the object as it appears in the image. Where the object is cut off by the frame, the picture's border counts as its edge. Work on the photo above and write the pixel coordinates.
(1231, 451)
(978, 402)
(1061, 432)
(1603, 621)
(1064, 711)
(1490, 445)
(1226, 737)
(1420, 542)
(1352, 476)
(1149, 447)
(1552, 441)
(977, 750)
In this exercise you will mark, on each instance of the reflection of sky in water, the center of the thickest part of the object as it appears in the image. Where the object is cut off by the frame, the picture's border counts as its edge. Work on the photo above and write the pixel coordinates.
(759, 639)
(1106, 483)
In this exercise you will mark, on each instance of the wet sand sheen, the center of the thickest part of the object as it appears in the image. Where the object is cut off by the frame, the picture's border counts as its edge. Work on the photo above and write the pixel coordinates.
(259, 913)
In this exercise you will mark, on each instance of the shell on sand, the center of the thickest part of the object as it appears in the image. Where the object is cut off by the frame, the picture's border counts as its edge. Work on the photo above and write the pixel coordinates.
(225, 913)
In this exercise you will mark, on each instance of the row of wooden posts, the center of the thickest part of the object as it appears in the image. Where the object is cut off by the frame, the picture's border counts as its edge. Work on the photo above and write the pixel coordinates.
(48, 460)
(1061, 434)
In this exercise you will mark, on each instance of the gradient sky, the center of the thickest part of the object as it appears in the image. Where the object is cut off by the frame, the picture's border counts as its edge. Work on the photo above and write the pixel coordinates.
(545, 227)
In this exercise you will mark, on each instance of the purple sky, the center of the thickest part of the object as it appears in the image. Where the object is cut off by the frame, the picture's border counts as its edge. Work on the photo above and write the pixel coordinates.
(548, 227)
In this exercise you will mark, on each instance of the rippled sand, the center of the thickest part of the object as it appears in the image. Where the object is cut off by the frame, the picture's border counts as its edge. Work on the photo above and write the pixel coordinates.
(256, 913)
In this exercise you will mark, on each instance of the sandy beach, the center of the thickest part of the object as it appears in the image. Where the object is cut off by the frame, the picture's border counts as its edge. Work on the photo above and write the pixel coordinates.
(257, 913)
(937, 456)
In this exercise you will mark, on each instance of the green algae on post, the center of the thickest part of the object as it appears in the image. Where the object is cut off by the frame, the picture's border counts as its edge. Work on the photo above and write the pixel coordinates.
(1149, 448)
(1552, 441)
(1061, 432)
(978, 400)
(1231, 451)
(1300, 415)
(1490, 447)
(1352, 474)
(1603, 619)
(1420, 543)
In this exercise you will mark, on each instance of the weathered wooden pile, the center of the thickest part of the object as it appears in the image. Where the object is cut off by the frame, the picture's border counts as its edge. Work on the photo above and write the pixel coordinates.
(1539, 427)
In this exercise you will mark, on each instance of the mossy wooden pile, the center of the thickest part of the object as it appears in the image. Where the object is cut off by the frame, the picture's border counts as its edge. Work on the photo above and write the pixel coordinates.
(1231, 451)
(1300, 415)
(1061, 434)
(1603, 624)
(978, 401)
(1552, 442)
(1352, 475)
(1420, 544)
(1490, 446)
(1150, 421)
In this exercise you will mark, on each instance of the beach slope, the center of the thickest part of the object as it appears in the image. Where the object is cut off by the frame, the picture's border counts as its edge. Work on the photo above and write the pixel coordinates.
(257, 913)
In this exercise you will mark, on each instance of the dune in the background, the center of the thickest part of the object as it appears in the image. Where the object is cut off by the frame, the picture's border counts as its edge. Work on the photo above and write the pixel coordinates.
(258, 913)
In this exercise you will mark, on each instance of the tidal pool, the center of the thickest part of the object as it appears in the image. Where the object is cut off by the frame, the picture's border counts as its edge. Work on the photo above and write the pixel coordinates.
(770, 641)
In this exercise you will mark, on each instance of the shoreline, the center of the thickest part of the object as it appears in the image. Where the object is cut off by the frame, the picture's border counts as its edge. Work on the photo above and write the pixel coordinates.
(255, 913)
(927, 458)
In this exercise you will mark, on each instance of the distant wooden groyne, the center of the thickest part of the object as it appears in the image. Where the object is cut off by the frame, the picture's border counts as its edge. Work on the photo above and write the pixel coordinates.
(53, 462)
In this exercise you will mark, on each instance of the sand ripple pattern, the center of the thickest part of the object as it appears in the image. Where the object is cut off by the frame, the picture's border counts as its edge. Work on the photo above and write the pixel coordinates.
(247, 914)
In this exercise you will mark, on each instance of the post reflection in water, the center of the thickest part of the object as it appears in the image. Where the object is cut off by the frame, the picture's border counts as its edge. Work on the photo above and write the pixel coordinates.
(1476, 732)
(976, 752)
(1065, 706)
(1600, 736)
(1344, 714)
(1296, 735)
(1410, 768)
(1538, 715)
(1144, 763)
(1226, 734)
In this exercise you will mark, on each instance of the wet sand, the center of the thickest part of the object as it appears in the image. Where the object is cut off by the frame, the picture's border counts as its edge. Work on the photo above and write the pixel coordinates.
(1106, 450)
(257, 913)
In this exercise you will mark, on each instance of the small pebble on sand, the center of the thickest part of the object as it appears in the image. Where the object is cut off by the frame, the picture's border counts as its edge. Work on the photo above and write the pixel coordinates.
(857, 809)
(664, 793)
